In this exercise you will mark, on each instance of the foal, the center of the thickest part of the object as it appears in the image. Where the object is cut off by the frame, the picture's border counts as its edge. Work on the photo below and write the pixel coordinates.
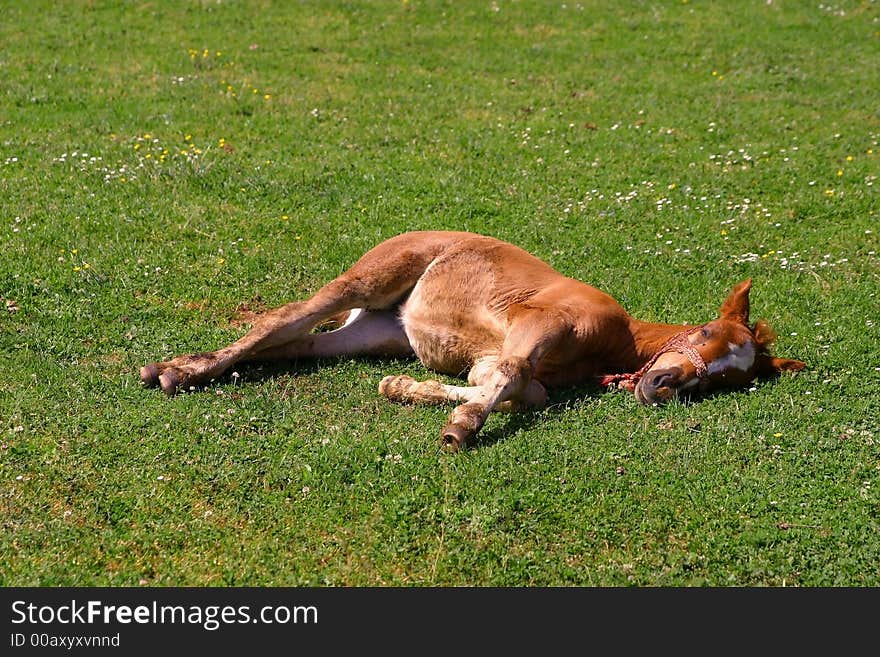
(466, 304)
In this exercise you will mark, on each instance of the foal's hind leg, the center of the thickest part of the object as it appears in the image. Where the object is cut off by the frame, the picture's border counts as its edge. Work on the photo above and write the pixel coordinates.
(381, 279)
(366, 333)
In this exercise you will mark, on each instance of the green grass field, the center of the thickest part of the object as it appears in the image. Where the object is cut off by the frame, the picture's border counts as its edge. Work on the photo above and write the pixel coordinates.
(167, 166)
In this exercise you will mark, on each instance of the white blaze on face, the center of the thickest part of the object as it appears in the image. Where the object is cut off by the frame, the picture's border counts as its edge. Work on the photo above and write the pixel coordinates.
(739, 357)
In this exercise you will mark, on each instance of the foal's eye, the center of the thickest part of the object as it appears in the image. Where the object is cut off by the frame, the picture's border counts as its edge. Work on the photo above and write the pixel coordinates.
(704, 333)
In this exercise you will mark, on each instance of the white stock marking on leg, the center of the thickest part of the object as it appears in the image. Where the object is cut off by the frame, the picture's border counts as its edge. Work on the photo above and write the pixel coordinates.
(461, 393)
(353, 314)
(740, 357)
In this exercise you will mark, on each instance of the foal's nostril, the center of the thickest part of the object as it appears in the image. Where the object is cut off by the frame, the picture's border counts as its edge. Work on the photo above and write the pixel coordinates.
(661, 379)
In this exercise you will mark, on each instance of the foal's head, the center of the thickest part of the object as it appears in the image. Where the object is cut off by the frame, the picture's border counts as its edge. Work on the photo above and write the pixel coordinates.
(723, 353)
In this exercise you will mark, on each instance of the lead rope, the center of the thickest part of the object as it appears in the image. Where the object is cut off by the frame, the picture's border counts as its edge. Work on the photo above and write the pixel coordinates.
(678, 342)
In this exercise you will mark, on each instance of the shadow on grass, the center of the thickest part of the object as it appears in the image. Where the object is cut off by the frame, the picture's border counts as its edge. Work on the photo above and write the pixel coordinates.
(258, 372)
(560, 400)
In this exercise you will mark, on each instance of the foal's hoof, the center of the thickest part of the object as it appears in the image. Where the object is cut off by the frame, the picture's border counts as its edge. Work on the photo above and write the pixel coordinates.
(397, 388)
(455, 437)
(150, 375)
(169, 382)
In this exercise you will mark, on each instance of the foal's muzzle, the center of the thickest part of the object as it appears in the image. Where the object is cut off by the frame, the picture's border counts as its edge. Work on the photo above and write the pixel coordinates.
(659, 386)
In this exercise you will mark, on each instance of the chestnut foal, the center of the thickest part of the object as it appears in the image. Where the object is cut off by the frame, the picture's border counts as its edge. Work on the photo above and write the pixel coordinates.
(469, 304)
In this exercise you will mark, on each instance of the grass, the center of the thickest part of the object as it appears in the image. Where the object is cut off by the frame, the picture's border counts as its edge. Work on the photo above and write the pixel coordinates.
(165, 165)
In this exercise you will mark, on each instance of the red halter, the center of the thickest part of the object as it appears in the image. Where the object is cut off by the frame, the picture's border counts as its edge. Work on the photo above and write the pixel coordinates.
(678, 342)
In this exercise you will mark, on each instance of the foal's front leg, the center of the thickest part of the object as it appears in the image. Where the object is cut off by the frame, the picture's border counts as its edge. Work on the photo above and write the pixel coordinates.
(532, 333)
(405, 389)
(509, 379)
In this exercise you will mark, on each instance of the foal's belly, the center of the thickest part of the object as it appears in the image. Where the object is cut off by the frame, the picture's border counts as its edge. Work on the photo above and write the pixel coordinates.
(447, 321)
(450, 348)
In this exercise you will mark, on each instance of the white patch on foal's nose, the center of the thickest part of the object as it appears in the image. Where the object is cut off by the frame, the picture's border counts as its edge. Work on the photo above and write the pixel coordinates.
(740, 357)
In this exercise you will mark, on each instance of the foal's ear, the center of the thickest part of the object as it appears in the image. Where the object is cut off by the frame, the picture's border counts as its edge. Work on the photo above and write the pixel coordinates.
(736, 306)
(768, 366)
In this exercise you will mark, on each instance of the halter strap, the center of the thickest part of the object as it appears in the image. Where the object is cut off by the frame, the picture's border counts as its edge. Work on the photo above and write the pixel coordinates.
(679, 343)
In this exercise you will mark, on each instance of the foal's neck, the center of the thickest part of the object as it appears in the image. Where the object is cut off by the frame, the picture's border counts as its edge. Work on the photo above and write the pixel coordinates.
(649, 337)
